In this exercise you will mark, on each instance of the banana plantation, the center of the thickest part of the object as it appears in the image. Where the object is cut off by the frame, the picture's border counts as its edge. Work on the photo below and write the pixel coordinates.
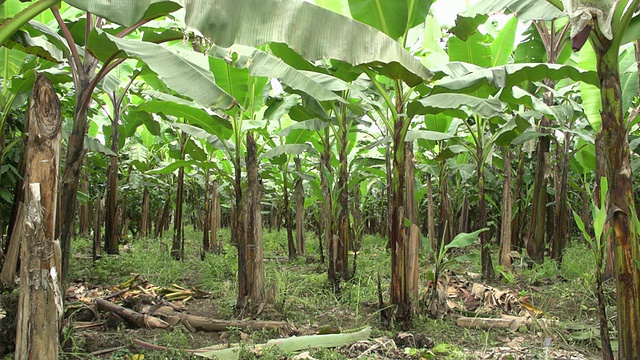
(328, 179)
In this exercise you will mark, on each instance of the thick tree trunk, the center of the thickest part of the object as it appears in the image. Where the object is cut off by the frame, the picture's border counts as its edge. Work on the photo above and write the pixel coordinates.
(389, 194)
(617, 153)
(400, 296)
(144, 220)
(111, 233)
(535, 243)
(299, 195)
(601, 171)
(507, 203)
(291, 245)
(255, 258)
(40, 304)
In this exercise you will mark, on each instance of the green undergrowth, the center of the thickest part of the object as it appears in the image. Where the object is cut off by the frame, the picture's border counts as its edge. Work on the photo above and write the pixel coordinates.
(305, 298)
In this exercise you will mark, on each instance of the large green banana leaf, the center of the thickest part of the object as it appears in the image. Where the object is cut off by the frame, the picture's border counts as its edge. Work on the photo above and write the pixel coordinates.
(313, 32)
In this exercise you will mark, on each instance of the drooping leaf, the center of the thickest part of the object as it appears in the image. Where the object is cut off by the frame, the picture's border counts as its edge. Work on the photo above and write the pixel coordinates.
(287, 149)
(388, 16)
(327, 35)
(453, 104)
(464, 239)
(126, 12)
(426, 135)
(187, 73)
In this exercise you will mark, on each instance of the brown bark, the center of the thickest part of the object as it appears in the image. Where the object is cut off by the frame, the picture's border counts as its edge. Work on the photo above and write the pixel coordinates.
(617, 153)
(343, 223)
(164, 215)
(299, 195)
(255, 258)
(10, 264)
(40, 304)
(411, 206)
(507, 203)
(208, 213)
(535, 243)
(132, 317)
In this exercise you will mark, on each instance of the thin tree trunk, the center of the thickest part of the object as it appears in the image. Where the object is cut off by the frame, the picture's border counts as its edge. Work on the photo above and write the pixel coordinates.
(144, 221)
(464, 225)
(507, 203)
(83, 212)
(111, 233)
(299, 195)
(344, 234)
(446, 218)
(40, 304)
(487, 265)
(178, 236)
(287, 215)
(215, 217)
(516, 229)
(208, 214)
(327, 206)
(255, 257)
(431, 214)
(8, 278)
(561, 209)
(97, 228)
(389, 193)
(617, 153)
(164, 215)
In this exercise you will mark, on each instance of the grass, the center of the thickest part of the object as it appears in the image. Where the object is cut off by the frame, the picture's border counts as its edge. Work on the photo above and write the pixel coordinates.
(304, 296)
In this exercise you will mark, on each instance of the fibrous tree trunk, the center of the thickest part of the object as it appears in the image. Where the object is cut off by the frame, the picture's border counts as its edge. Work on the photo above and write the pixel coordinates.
(507, 203)
(626, 247)
(206, 224)
(535, 243)
(516, 229)
(559, 238)
(111, 233)
(163, 216)
(40, 304)
(400, 296)
(255, 259)
(299, 195)
(446, 217)
(327, 206)
(343, 223)
(177, 245)
(485, 253)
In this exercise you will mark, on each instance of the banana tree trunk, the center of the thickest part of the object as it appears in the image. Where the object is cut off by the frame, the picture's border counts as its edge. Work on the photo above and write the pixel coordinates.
(344, 238)
(215, 218)
(208, 213)
(535, 243)
(177, 245)
(559, 239)
(507, 204)
(291, 245)
(327, 205)
(487, 265)
(431, 214)
(446, 216)
(111, 235)
(144, 220)
(40, 301)
(400, 296)
(163, 216)
(299, 195)
(83, 212)
(516, 229)
(255, 258)
(97, 228)
(617, 154)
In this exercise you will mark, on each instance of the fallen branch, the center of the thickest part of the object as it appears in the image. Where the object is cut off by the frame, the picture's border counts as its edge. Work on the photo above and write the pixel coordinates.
(107, 351)
(512, 323)
(193, 322)
(132, 317)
